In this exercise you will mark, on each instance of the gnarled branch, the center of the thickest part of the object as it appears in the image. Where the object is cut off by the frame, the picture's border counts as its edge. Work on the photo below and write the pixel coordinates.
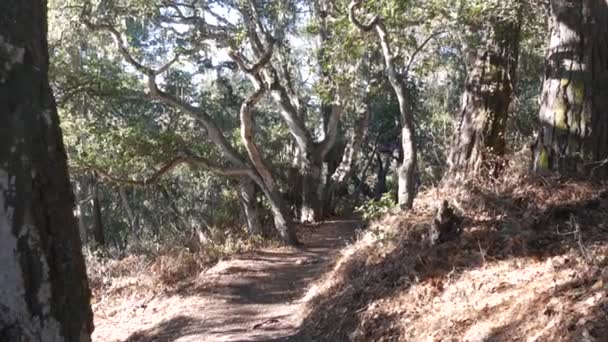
(213, 131)
(352, 7)
(124, 50)
(156, 176)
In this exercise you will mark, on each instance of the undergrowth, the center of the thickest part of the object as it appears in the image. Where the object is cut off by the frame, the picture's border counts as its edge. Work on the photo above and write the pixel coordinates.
(150, 266)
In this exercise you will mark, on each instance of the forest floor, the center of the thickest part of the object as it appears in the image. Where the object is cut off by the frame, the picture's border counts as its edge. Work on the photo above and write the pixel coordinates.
(257, 296)
(530, 263)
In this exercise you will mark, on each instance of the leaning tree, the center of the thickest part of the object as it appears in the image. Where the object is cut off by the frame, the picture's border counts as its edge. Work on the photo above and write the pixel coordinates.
(406, 173)
(189, 47)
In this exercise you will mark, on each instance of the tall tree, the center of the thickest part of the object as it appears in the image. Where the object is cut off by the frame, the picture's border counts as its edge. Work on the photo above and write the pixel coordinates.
(480, 130)
(406, 174)
(44, 294)
(294, 109)
(254, 166)
(574, 99)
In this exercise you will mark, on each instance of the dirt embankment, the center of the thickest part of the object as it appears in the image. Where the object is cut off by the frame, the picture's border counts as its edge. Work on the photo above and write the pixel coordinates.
(531, 264)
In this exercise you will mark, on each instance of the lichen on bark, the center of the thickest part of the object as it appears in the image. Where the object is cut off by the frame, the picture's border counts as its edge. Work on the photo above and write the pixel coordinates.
(11, 55)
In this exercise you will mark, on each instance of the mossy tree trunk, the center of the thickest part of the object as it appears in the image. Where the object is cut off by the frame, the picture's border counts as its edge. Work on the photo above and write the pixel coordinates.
(573, 135)
(44, 295)
(482, 122)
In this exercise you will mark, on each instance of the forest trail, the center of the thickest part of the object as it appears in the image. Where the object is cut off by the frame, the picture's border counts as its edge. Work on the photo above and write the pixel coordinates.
(258, 296)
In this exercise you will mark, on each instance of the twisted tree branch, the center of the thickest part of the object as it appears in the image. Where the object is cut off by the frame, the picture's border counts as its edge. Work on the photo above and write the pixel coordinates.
(156, 176)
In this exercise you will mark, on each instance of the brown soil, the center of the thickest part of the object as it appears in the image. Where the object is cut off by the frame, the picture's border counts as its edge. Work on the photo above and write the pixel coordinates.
(258, 296)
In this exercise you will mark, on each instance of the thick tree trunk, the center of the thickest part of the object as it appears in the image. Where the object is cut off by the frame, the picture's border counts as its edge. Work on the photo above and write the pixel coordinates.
(250, 208)
(337, 181)
(263, 175)
(310, 208)
(574, 100)
(488, 92)
(44, 295)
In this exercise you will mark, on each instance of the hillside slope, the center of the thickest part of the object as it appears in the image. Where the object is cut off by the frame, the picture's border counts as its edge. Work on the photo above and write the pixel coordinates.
(529, 265)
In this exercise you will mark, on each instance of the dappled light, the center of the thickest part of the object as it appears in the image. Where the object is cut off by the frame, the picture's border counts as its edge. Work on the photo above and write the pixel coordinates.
(290, 170)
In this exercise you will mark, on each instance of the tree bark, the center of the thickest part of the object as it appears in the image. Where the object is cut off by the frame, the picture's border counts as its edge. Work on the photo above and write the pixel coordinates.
(406, 190)
(310, 209)
(82, 193)
(337, 182)
(133, 221)
(574, 121)
(312, 154)
(44, 294)
(250, 208)
(98, 230)
(481, 130)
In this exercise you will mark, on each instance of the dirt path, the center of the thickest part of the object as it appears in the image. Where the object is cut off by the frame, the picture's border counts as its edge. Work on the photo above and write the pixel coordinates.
(254, 297)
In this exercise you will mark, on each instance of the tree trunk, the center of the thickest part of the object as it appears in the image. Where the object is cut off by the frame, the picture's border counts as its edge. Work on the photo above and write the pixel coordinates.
(486, 100)
(406, 190)
(44, 294)
(326, 71)
(82, 192)
(337, 181)
(133, 221)
(98, 230)
(282, 219)
(250, 208)
(384, 166)
(310, 209)
(573, 115)
(263, 175)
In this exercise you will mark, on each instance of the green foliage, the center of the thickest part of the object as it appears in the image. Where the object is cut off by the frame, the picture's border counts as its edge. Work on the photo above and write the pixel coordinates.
(372, 209)
(111, 123)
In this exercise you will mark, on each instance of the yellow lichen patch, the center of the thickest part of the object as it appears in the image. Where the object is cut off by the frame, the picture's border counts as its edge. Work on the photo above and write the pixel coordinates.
(543, 159)
(578, 90)
(574, 125)
(561, 120)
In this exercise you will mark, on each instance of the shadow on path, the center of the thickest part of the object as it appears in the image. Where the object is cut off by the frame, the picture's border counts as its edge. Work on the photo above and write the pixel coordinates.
(254, 297)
